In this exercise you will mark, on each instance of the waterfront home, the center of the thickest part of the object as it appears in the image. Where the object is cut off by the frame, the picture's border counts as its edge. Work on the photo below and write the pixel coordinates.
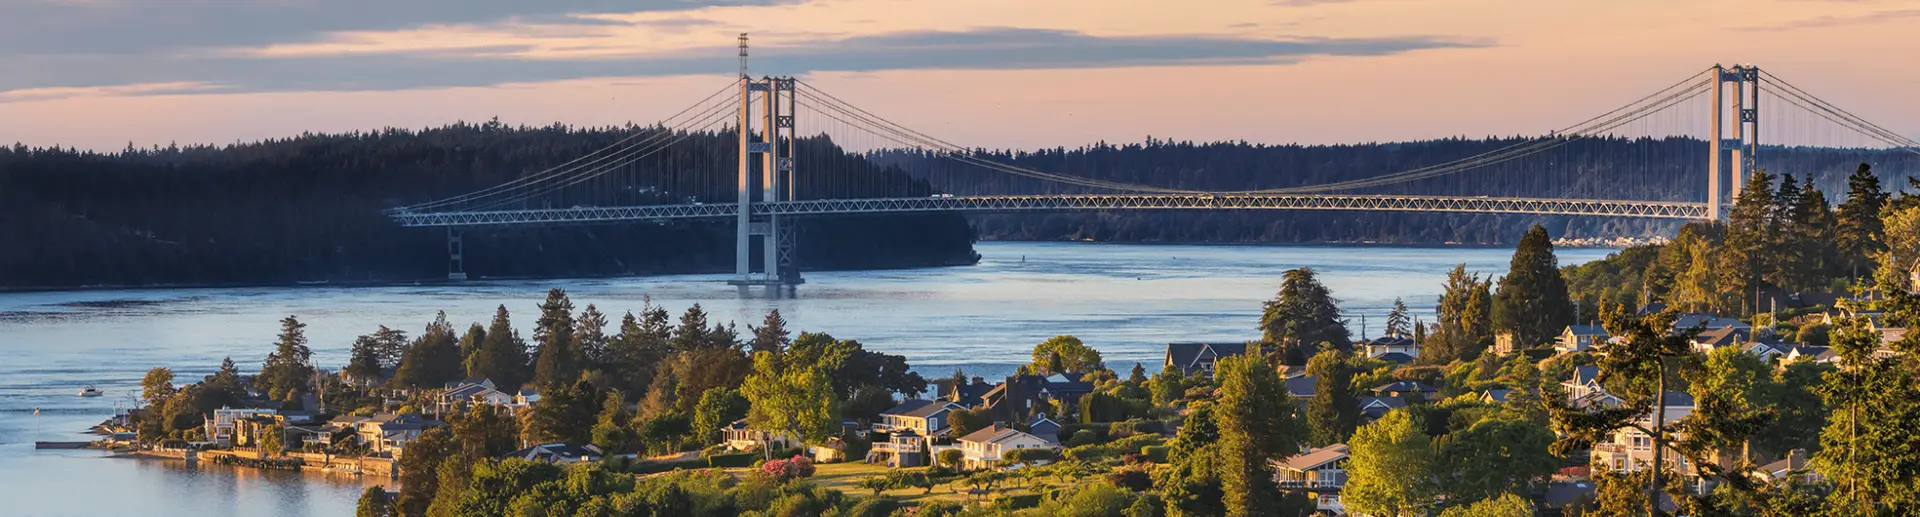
(558, 454)
(1386, 345)
(1318, 471)
(904, 448)
(1579, 338)
(1023, 395)
(983, 448)
(387, 433)
(925, 417)
(1197, 359)
(742, 437)
(219, 427)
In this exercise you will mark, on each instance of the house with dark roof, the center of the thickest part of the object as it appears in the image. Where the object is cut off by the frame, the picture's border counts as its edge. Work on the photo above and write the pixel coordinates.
(389, 433)
(1818, 354)
(1404, 388)
(1579, 338)
(1710, 340)
(902, 448)
(1197, 359)
(926, 417)
(1707, 322)
(1585, 381)
(557, 454)
(1395, 358)
(1302, 387)
(1022, 396)
(1319, 471)
(1384, 345)
(968, 394)
(1372, 408)
(984, 447)
(1629, 450)
(1045, 428)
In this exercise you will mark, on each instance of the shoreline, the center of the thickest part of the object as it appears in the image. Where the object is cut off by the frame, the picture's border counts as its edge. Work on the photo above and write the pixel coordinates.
(442, 281)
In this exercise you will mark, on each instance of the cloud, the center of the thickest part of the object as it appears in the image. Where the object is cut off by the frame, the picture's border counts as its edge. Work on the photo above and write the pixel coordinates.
(147, 26)
(1834, 21)
(992, 48)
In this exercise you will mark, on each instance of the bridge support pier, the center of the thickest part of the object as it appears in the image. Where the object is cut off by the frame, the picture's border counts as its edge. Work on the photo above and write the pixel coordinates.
(456, 255)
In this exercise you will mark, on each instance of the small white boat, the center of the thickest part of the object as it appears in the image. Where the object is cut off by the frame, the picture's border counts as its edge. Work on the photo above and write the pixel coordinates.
(91, 391)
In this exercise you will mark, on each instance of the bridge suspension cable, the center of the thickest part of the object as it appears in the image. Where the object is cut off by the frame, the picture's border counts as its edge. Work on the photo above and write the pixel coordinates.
(613, 153)
(1847, 120)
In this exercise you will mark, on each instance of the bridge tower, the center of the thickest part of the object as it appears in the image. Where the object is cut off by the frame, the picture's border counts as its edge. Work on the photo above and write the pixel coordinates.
(1742, 152)
(774, 150)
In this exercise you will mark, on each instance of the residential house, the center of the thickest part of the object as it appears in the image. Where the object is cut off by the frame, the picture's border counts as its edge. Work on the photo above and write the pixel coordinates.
(1503, 344)
(1579, 338)
(1302, 387)
(1289, 371)
(1197, 359)
(1502, 395)
(1710, 340)
(968, 394)
(379, 379)
(1372, 408)
(1629, 450)
(926, 417)
(387, 433)
(1024, 395)
(1405, 389)
(1818, 354)
(1584, 390)
(1393, 345)
(1707, 322)
(472, 392)
(741, 437)
(558, 454)
(983, 448)
(904, 448)
(1768, 349)
(219, 427)
(525, 397)
(1319, 471)
(1793, 467)
(1045, 428)
(1395, 358)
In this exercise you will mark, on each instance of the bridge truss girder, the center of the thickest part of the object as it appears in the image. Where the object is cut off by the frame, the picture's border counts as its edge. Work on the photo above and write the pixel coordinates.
(1087, 202)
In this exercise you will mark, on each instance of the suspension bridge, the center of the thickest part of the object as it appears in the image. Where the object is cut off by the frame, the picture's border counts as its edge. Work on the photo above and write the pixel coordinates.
(799, 151)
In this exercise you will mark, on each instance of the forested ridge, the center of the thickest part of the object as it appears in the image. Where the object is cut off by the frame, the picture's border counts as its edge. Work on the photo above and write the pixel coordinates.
(1669, 169)
(309, 208)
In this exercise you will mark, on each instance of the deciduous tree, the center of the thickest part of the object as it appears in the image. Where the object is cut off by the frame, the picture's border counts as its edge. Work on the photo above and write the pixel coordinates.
(1389, 468)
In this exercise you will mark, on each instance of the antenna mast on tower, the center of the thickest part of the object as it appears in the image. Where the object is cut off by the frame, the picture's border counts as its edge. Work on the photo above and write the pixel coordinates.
(743, 54)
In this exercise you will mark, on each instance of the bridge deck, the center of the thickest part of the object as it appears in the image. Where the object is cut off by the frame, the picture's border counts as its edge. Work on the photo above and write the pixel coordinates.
(1038, 203)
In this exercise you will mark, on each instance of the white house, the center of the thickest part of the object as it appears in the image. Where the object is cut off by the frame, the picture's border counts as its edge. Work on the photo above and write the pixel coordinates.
(926, 417)
(1630, 450)
(739, 436)
(558, 454)
(220, 425)
(388, 432)
(1320, 471)
(984, 448)
(1393, 345)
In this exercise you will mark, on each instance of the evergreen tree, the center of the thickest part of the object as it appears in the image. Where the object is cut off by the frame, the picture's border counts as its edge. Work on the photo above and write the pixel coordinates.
(434, 359)
(420, 470)
(771, 335)
(611, 433)
(289, 369)
(389, 345)
(1399, 324)
(590, 338)
(1532, 300)
(1867, 446)
(1334, 411)
(692, 334)
(1255, 422)
(471, 343)
(1465, 319)
(1302, 316)
(374, 503)
(1780, 268)
(1635, 367)
(564, 414)
(363, 361)
(1810, 239)
(1744, 260)
(1138, 376)
(502, 355)
(1860, 233)
(558, 364)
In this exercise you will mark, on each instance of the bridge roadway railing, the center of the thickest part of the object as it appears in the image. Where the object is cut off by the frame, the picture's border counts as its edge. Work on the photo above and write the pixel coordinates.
(1096, 202)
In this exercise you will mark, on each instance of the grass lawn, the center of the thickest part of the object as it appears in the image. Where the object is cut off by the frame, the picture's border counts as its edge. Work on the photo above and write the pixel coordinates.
(843, 476)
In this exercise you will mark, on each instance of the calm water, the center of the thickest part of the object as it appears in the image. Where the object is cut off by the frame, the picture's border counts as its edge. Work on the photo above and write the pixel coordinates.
(1125, 300)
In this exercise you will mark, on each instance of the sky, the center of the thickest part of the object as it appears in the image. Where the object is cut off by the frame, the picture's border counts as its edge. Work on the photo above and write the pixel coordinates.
(104, 74)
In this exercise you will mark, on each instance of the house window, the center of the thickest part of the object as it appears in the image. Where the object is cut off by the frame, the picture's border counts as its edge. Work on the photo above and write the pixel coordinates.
(1642, 442)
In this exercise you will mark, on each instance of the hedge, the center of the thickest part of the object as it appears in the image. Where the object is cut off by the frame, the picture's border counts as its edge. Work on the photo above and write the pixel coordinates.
(744, 459)
(1157, 453)
(1015, 502)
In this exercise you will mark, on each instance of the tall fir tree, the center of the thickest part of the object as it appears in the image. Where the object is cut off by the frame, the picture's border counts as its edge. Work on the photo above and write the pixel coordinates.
(771, 335)
(1256, 426)
(1810, 239)
(1780, 269)
(1464, 325)
(558, 362)
(1334, 411)
(1860, 233)
(1302, 316)
(1399, 323)
(363, 361)
(502, 356)
(1532, 301)
(1750, 242)
(590, 338)
(289, 369)
(433, 359)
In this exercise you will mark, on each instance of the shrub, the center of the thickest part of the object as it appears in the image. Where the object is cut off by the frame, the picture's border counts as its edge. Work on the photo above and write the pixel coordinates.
(939, 509)
(950, 458)
(1157, 453)
(1015, 502)
(1131, 479)
(789, 469)
(1082, 437)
